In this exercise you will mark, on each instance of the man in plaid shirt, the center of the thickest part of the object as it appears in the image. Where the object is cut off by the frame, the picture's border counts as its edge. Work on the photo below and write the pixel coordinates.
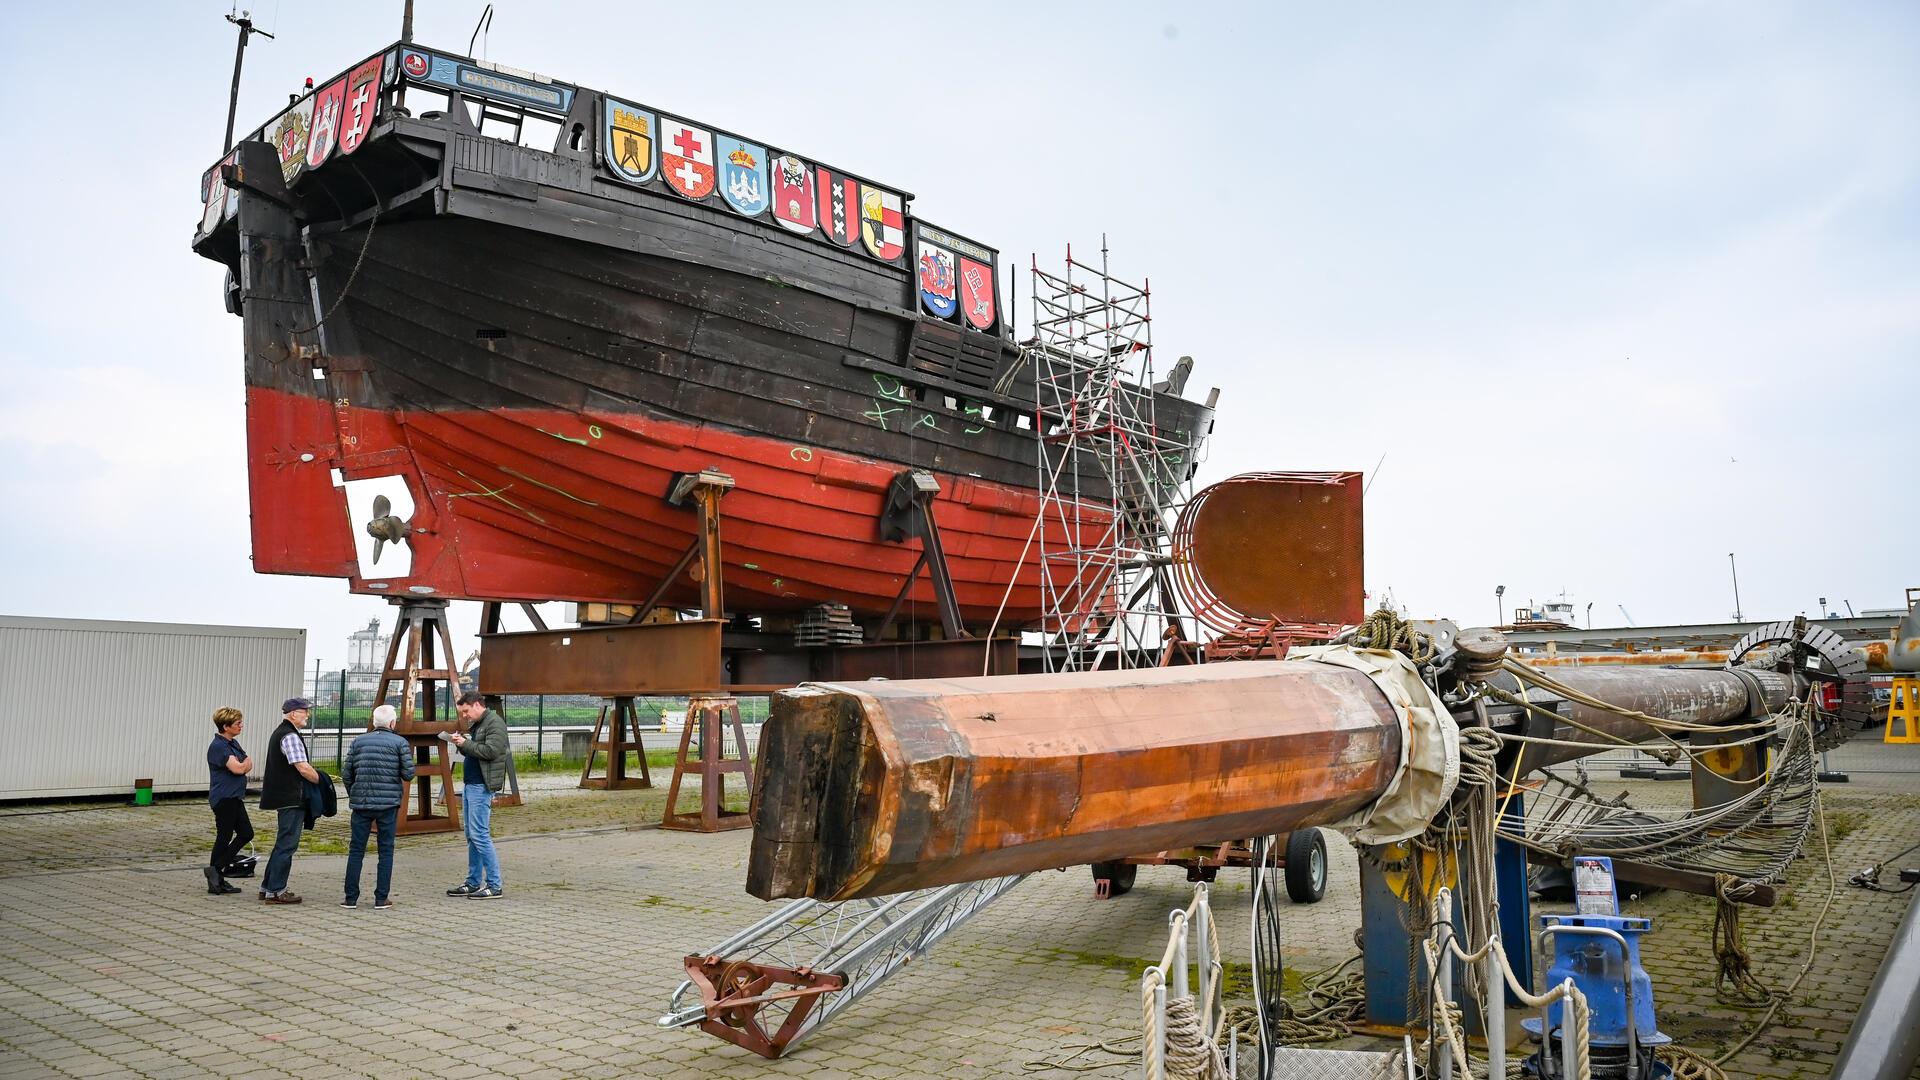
(284, 789)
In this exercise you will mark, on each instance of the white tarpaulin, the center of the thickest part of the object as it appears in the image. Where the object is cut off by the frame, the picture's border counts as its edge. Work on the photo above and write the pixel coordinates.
(1429, 745)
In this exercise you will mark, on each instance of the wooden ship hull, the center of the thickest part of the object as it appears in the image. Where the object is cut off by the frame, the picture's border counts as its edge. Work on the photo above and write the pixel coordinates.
(516, 350)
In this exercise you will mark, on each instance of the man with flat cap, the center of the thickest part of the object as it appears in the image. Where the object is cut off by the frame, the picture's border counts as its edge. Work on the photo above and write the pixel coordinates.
(284, 789)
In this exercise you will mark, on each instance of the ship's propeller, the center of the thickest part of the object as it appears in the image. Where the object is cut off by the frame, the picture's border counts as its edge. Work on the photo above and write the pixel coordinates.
(386, 527)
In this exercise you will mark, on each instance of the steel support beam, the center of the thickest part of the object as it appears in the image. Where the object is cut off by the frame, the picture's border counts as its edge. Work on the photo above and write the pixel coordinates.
(1699, 636)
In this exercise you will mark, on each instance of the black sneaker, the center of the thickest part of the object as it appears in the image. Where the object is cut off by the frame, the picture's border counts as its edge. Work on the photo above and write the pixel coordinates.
(486, 894)
(463, 889)
(382, 905)
(349, 904)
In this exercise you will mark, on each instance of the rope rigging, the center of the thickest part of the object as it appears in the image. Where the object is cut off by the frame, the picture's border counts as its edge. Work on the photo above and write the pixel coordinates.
(1747, 840)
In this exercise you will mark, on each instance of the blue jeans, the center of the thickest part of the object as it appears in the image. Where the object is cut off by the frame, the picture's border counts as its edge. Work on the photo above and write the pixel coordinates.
(365, 821)
(286, 839)
(476, 816)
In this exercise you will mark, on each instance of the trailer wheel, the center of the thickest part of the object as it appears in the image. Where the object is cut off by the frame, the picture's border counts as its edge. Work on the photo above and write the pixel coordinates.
(1306, 866)
(1118, 877)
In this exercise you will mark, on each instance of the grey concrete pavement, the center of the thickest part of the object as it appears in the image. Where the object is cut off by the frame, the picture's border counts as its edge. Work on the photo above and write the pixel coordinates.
(115, 962)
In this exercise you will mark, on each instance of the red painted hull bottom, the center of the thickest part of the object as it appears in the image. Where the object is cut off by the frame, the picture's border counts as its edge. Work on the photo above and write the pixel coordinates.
(545, 504)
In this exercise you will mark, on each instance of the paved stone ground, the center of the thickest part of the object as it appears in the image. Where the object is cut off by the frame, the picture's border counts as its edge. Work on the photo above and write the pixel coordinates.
(114, 961)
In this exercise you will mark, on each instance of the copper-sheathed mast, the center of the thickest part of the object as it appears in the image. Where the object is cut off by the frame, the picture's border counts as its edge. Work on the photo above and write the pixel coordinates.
(874, 788)
(879, 787)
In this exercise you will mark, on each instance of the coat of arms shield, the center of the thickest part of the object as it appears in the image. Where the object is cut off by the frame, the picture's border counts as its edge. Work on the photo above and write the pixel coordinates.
(362, 106)
(627, 140)
(325, 133)
(686, 158)
(976, 292)
(793, 202)
(839, 206)
(290, 134)
(743, 174)
(882, 222)
(936, 279)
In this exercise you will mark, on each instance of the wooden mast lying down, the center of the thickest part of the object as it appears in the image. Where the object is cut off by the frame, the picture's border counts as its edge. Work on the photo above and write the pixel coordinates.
(880, 787)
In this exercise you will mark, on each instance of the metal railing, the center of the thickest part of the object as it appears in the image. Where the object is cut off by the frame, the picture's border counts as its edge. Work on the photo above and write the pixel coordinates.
(341, 711)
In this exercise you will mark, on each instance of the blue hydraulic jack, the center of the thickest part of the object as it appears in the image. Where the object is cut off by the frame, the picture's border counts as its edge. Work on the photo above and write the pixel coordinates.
(1599, 950)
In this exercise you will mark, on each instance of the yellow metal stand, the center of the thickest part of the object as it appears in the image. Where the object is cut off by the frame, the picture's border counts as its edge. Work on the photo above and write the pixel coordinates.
(1904, 709)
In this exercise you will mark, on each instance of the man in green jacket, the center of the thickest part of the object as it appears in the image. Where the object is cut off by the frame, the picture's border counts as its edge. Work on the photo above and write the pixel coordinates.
(484, 772)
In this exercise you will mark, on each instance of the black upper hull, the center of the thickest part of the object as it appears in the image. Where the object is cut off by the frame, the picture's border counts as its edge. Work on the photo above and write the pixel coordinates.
(494, 275)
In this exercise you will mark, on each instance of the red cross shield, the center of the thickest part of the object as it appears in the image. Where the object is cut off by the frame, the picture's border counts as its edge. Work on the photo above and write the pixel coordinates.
(686, 158)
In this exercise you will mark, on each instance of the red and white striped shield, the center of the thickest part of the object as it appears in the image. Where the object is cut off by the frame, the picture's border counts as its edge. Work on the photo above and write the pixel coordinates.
(362, 105)
(686, 158)
(839, 207)
(883, 222)
(793, 203)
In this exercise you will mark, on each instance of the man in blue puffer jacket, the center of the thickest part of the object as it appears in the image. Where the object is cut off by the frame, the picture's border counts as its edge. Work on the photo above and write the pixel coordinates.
(378, 769)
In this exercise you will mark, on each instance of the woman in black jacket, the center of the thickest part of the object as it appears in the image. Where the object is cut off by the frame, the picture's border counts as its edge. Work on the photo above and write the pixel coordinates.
(227, 768)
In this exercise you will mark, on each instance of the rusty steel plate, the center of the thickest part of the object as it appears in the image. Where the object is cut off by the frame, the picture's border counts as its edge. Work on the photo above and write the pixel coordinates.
(1285, 547)
(605, 661)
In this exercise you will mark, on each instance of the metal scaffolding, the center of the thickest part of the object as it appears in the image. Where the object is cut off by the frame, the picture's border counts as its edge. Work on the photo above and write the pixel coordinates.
(1110, 479)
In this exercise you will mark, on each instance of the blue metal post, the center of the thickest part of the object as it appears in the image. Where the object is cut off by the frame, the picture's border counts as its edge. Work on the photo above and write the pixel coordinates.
(1384, 944)
(1516, 912)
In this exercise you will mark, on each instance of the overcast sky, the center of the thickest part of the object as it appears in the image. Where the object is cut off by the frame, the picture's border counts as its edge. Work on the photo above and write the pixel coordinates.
(1617, 289)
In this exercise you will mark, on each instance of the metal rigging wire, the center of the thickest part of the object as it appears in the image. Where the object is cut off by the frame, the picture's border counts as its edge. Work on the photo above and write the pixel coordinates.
(1268, 969)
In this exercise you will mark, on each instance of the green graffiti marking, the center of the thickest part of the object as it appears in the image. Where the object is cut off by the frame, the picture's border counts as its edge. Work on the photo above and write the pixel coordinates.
(898, 393)
(879, 415)
(562, 438)
(549, 487)
(486, 492)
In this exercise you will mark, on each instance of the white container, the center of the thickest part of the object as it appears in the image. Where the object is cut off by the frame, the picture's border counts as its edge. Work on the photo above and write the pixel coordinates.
(88, 706)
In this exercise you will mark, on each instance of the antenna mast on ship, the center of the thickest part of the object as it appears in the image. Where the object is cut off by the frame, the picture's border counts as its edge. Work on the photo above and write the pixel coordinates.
(244, 21)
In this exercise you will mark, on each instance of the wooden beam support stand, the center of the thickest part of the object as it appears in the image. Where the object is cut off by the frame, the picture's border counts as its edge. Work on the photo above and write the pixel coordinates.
(712, 718)
(613, 741)
(424, 626)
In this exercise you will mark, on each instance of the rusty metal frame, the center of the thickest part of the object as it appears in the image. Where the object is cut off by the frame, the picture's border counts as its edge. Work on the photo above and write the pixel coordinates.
(633, 660)
(739, 990)
(859, 942)
(909, 514)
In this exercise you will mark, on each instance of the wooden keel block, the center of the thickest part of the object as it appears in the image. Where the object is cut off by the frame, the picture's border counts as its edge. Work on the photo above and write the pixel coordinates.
(874, 788)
